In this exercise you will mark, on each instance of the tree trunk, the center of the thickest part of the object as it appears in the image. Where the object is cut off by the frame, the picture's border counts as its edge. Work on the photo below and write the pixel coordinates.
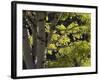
(27, 55)
(40, 55)
(34, 46)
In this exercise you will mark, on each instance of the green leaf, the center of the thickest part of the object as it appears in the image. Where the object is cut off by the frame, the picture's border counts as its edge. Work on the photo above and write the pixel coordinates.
(61, 27)
(55, 37)
(52, 46)
(50, 52)
(64, 40)
(86, 62)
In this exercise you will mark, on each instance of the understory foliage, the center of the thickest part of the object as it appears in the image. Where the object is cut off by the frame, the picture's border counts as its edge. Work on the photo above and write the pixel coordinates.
(67, 39)
(69, 45)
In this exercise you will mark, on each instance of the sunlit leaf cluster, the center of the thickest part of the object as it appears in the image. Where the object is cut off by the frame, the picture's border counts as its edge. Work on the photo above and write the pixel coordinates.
(70, 37)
